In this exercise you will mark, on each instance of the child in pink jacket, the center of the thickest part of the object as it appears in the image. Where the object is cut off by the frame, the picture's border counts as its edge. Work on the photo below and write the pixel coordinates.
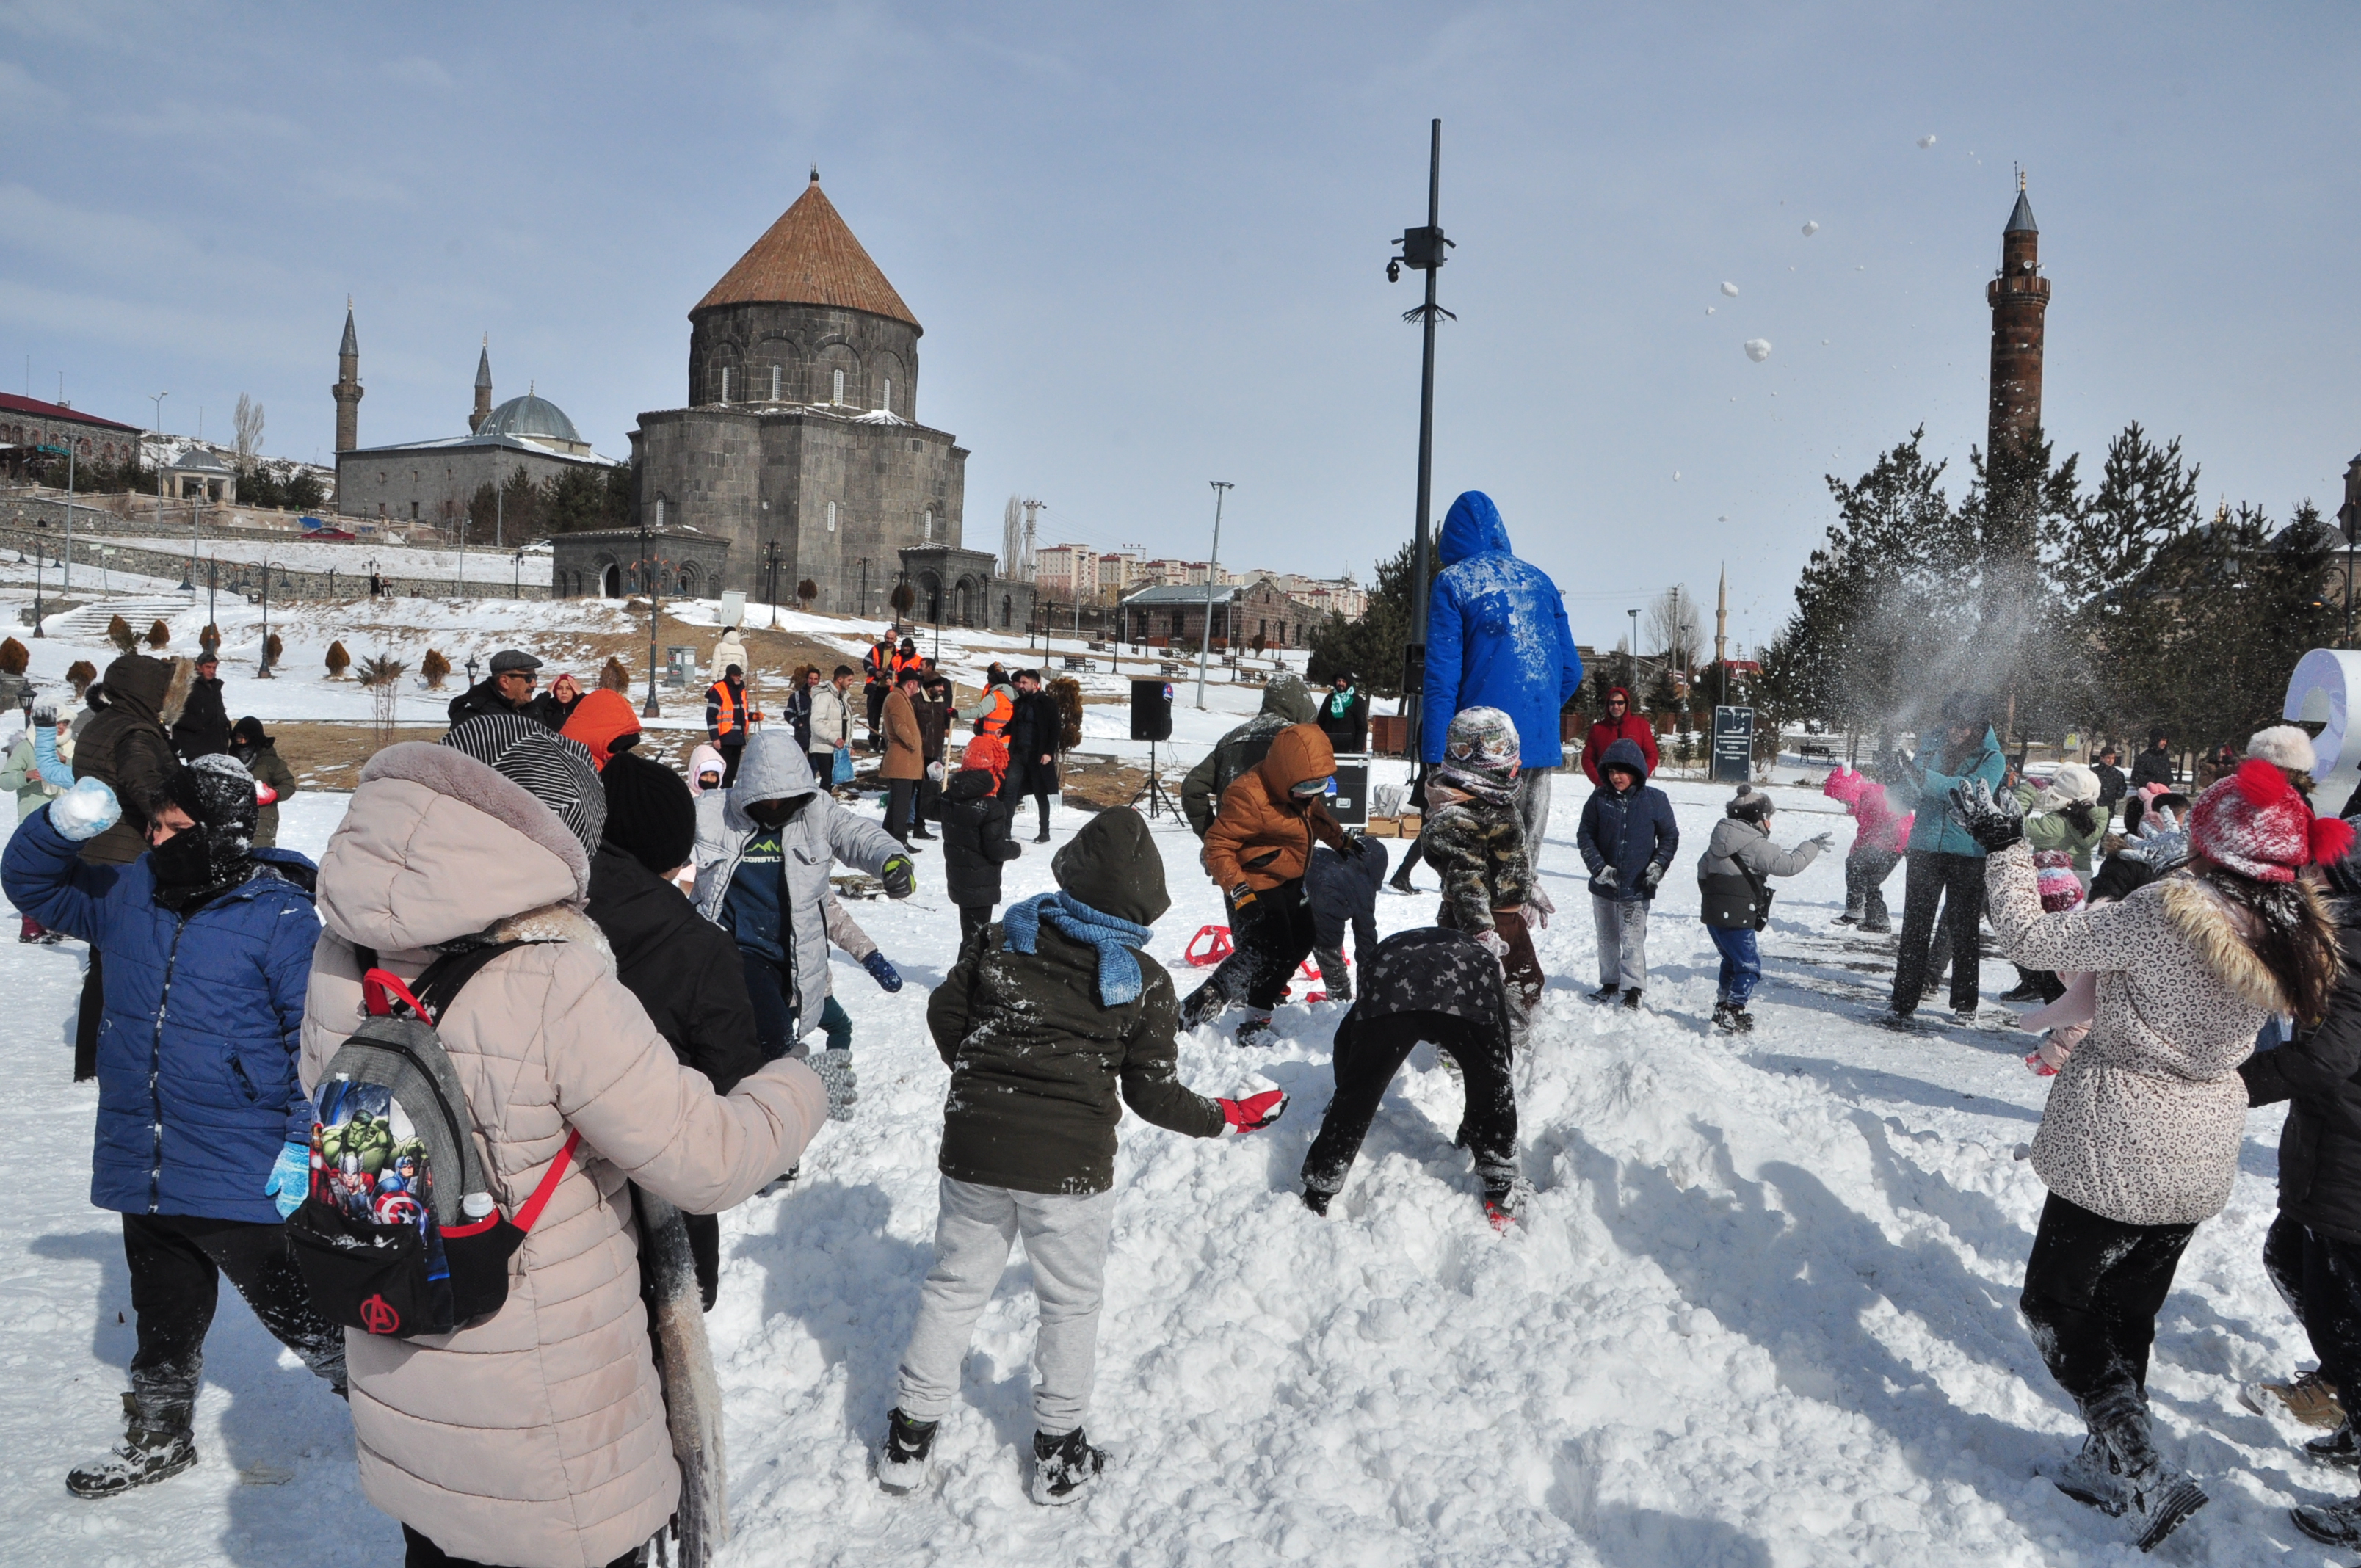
(1876, 848)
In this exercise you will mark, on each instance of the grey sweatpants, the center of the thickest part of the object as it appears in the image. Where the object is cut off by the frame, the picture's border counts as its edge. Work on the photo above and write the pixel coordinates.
(1532, 809)
(1622, 941)
(1065, 1241)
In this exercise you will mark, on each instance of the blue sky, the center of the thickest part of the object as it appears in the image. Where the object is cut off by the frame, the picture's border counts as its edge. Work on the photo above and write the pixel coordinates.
(1147, 243)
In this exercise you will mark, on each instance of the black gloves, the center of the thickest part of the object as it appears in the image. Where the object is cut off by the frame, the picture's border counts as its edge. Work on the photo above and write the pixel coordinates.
(1993, 824)
(1355, 843)
(900, 877)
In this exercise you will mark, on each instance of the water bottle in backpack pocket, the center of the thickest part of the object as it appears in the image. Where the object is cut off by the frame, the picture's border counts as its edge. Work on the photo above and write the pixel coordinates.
(400, 1234)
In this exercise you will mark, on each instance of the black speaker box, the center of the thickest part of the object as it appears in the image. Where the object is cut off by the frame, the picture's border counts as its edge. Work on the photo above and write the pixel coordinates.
(1151, 710)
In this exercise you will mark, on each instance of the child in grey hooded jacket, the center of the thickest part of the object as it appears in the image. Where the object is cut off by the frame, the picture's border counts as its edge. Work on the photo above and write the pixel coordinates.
(1734, 897)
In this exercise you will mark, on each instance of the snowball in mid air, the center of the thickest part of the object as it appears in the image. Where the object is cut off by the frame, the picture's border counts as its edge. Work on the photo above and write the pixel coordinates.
(1926, 141)
(1731, 289)
(1758, 349)
(1810, 229)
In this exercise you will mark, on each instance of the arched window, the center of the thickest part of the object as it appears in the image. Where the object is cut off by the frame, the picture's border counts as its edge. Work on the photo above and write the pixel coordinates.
(1007, 609)
(837, 394)
(774, 383)
(831, 506)
(725, 383)
(885, 399)
(928, 522)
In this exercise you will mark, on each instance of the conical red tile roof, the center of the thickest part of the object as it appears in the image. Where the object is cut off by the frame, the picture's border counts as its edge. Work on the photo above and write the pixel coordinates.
(808, 257)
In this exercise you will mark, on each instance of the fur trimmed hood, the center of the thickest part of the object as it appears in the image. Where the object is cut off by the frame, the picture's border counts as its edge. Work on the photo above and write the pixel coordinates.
(2223, 934)
(556, 923)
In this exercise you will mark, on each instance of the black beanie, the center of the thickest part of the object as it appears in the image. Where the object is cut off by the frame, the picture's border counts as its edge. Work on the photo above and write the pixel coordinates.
(650, 815)
(1749, 805)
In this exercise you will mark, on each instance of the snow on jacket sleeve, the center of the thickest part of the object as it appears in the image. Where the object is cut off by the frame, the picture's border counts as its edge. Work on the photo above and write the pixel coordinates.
(46, 877)
(1152, 1081)
(1569, 661)
(1444, 651)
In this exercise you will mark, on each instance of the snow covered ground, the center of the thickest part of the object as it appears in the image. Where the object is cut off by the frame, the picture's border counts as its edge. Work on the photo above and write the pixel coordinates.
(1763, 1310)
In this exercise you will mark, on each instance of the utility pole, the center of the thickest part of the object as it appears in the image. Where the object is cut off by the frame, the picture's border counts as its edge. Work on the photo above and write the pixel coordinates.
(1423, 250)
(1212, 570)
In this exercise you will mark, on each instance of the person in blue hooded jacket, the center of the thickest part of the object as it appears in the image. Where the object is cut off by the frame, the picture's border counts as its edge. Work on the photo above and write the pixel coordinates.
(1945, 864)
(1497, 637)
(203, 1136)
(1628, 840)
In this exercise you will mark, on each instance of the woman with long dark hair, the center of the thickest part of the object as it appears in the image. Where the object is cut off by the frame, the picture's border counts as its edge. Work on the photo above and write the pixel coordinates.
(2139, 1142)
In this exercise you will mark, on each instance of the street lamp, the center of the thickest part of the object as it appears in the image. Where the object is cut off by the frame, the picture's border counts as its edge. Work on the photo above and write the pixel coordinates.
(1423, 251)
(37, 554)
(648, 581)
(263, 671)
(1222, 489)
(771, 571)
(1635, 649)
(516, 575)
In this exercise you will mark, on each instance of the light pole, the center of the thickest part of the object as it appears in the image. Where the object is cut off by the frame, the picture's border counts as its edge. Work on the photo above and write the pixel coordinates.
(263, 672)
(37, 589)
(1635, 649)
(516, 575)
(66, 585)
(771, 577)
(648, 581)
(1423, 251)
(1222, 489)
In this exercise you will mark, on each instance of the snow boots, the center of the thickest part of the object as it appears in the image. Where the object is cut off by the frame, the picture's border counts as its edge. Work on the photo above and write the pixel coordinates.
(1632, 999)
(2309, 1398)
(2338, 1524)
(1063, 1466)
(1731, 1019)
(1256, 1030)
(2337, 1449)
(902, 1467)
(1317, 1200)
(156, 1446)
(2120, 1472)
(1607, 994)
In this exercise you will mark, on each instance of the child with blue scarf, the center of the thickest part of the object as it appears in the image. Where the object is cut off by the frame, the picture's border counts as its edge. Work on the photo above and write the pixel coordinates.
(1050, 1023)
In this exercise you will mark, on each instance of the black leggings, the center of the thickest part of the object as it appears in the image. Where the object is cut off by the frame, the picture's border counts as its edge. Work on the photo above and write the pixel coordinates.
(974, 918)
(2092, 1288)
(1957, 882)
(1272, 937)
(1369, 1053)
(176, 1263)
(94, 1008)
(424, 1553)
(2321, 1279)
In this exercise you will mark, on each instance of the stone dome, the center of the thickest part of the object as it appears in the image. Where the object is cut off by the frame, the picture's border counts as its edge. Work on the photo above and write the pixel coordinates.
(538, 421)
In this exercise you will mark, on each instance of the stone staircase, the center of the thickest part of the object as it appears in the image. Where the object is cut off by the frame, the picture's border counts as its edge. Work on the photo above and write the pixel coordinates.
(88, 623)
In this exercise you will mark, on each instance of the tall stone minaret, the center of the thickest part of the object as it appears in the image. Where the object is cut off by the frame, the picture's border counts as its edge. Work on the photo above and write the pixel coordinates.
(483, 388)
(2019, 296)
(347, 390)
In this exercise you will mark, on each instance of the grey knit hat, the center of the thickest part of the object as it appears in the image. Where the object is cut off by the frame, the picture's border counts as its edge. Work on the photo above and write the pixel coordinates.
(555, 770)
(1750, 804)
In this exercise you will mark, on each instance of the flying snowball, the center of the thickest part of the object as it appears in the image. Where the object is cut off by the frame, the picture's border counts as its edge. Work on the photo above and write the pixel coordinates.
(1676, 475)
(1926, 141)
(1708, 309)
(1810, 229)
(1758, 349)
(1731, 289)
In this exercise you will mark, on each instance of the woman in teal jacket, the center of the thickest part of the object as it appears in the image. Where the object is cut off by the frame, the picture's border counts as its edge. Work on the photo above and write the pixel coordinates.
(1946, 865)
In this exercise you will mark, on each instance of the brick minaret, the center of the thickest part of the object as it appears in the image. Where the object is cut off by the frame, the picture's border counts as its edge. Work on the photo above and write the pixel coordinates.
(347, 390)
(483, 388)
(2019, 296)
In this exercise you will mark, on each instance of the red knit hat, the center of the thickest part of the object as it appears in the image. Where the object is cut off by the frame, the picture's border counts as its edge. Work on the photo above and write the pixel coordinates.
(2255, 823)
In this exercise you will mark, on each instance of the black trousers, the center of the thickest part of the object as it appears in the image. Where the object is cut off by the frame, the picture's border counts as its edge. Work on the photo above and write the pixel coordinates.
(2321, 1279)
(901, 794)
(424, 1553)
(2092, 1288)
(923, 806)
(1270, 941)
(974, 918)
(771, 987)
(1865, 874)
(94, 1008)
(730, 755)
(177, 1262)
(1957, 881)
(1370, 1053)
(823, 767)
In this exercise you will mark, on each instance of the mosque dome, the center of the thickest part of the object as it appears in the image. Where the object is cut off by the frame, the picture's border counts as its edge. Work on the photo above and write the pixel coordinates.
(538, 421)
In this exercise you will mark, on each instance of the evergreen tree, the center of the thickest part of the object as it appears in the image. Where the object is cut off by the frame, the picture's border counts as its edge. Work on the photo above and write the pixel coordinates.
(2020, 511)
(2104, 572)
(1371, 644)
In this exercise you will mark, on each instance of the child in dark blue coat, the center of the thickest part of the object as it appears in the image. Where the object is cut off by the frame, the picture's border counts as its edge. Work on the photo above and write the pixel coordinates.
(204, 1132)
(1628, 840)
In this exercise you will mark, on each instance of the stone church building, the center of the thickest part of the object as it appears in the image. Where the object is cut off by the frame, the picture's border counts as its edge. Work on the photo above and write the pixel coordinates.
(802, 426)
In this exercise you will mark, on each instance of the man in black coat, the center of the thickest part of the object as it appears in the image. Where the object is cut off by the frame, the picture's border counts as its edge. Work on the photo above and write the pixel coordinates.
(507, 688)
(1033, 736)
(1429, 984)
(684, 969)
(2153, 766)
(2113, 786)
(202, 727)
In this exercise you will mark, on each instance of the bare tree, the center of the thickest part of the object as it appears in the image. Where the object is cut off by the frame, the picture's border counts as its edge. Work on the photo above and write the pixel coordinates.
(249, 422)
(1675, 628)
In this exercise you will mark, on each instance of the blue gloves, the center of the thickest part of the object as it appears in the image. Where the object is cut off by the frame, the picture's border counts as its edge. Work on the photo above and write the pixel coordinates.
(85, 811)
(54, 771)
(883, 972)
(291, 1179)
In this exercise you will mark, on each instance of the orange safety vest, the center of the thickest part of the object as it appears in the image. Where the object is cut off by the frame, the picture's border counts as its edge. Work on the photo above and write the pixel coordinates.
(996, 721)
(725, 712)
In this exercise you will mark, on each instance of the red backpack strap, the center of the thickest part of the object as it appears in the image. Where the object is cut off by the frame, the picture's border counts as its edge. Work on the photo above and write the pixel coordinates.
(381, 989)
(529, 1215)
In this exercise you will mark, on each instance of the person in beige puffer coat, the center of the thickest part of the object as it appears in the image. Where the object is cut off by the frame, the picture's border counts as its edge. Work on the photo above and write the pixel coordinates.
(2139, 1142)
(535, 1438)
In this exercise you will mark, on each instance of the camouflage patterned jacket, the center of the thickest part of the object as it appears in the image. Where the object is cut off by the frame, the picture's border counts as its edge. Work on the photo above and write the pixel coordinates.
(1479, 849)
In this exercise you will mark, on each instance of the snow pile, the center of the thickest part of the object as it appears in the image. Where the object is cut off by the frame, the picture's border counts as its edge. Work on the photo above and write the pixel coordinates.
(1763, 1310)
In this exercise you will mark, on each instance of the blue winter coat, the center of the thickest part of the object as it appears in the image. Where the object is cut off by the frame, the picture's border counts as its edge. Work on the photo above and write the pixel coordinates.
(1496, 637)
(196, 1046)
(1630, 831)
(1938, 828)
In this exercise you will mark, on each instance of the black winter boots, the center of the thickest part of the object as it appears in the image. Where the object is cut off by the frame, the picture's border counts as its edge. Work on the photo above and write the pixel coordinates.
(2120, 1472)
(156, 1446)
(1063, 1466)
(1731, 1019)
(902, 1467)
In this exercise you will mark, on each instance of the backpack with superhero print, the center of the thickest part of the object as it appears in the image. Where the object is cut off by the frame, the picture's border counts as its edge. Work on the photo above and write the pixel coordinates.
(399, 1235)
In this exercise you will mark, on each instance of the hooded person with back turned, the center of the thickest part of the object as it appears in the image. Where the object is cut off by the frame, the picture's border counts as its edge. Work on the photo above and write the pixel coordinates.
(1497, 637)
(1285, 701)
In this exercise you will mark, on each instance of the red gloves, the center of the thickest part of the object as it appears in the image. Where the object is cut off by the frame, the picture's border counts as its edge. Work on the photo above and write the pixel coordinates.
(1254, 1111)
(264, 794)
